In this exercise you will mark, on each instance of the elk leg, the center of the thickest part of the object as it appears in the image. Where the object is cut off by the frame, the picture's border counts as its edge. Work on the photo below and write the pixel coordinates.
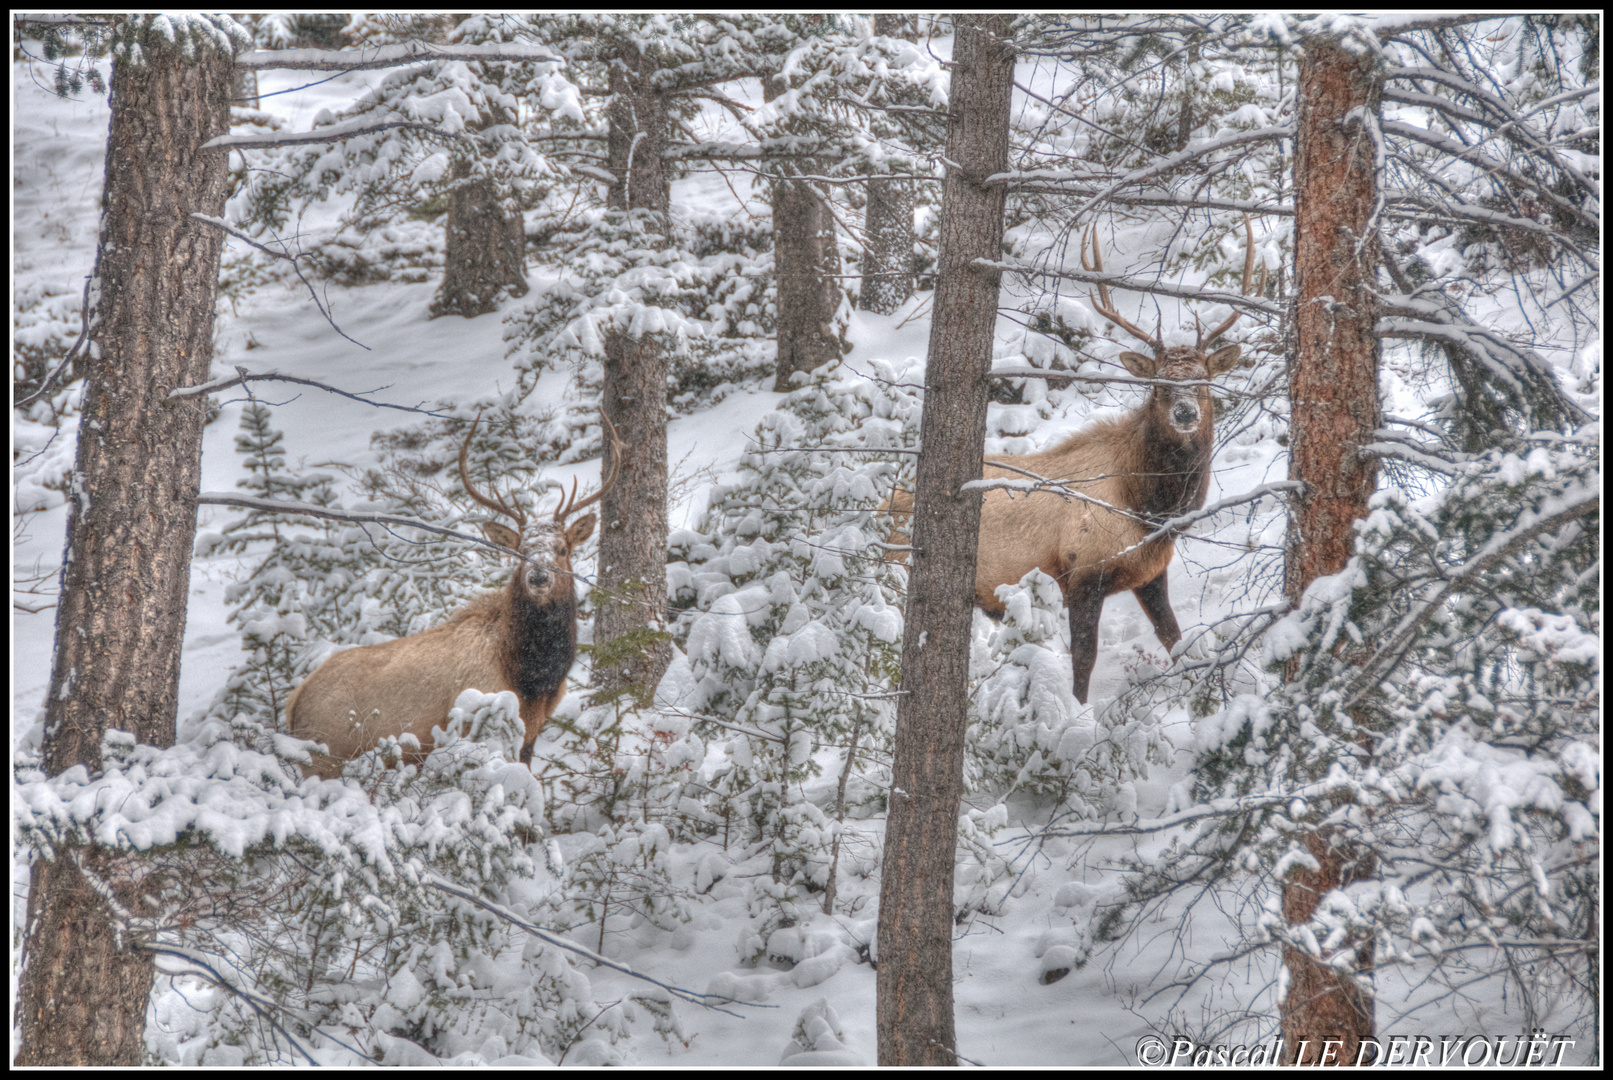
(1156, 601)
(1085, 601)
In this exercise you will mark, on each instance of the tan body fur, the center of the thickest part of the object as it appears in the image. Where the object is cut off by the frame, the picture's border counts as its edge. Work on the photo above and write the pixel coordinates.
(522, 638)
(408, 686)
(1059, 536)
(1153, 463)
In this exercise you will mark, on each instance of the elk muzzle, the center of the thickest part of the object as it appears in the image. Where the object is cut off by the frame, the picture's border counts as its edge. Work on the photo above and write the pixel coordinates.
(1185, 415)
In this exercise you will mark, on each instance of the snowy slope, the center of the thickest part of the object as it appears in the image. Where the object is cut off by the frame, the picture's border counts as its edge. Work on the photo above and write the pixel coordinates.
(1005, 1014)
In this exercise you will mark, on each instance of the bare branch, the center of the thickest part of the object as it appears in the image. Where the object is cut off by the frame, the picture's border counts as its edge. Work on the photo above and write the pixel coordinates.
(83, 330)
(219, 223)
(1181, 292)
(242, 375)
(1042, 483)
(710, 1001)
(1174, 161)
(1065, 376)
(360, 517)
(1213, 809)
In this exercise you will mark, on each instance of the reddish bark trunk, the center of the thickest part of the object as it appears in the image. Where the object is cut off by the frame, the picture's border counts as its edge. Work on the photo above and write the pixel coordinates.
(1333, 390)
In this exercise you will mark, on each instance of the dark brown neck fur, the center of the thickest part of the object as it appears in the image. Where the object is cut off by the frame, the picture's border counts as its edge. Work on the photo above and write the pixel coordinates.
(539, 642)
(1164, 472)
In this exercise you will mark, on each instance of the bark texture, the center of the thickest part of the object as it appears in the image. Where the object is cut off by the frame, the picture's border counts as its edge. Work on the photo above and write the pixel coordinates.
(1333, 380)
(631, 649)
(806, 263)
(131, 523)
(914, 1013)
(1333, 388)
(486, 256)
(888, 261)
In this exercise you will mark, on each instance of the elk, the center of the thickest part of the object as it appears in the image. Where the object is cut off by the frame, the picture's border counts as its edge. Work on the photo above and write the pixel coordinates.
(1138, 471)
(521, 638)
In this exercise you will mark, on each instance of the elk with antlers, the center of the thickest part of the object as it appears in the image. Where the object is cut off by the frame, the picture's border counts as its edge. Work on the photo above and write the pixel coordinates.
(521, 638)
(1120, 480)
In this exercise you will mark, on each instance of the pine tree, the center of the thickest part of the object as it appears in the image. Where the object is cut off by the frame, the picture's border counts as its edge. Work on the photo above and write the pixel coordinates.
(793, 652)
(269, 603)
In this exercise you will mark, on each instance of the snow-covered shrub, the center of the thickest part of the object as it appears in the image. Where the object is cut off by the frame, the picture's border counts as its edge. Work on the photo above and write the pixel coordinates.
(330, 919)
(795, 627)
(1027, 734)
(622, 781)
(272, 601)
(1430, 713)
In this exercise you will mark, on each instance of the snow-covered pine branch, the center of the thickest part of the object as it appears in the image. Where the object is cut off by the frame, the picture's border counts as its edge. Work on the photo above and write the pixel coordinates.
(1553, 514)
(334, 133)
(409, 52)
(1432, 320)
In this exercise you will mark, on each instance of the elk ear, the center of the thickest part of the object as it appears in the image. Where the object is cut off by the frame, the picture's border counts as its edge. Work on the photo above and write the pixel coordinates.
(1139, 365)
(502, 535)
(580, 530)
(1222, 360)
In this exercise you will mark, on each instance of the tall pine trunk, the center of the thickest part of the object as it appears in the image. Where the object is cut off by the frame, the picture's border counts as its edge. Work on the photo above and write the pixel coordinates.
(485, 259)
(1333, 391)
(914, 1012)
(806, 263)
(131, 523)
(631, 649)
(888, 259)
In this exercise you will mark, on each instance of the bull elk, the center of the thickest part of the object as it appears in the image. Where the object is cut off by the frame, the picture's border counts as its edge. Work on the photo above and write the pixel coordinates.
(521, 638)
(1150, 465)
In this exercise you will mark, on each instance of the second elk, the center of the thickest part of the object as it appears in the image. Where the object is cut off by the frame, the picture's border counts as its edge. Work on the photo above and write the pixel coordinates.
(522, 638)
(1128, 476)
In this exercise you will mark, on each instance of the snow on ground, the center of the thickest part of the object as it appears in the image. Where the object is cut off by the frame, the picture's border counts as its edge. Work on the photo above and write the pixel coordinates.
(1005, 1015)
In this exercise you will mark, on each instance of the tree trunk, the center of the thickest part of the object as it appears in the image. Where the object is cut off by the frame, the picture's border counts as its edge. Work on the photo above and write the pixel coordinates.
(1333, 389)
(914, 1017)
(631, 646)
(486, 257)
(806, 264)
(131, 523)
(888, 268)
(888, 258)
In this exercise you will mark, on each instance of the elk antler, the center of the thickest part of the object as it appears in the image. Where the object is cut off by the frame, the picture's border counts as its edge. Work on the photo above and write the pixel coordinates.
(570, 505)
(1248, 270)
(1105, 307)
(496, 503)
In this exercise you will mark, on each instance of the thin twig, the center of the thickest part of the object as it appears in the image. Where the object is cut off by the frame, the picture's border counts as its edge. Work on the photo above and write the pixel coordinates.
(242, 375)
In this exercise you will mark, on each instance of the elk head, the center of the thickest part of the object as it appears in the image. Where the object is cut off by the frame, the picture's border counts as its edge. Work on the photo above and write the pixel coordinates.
(1183, 405)
(545, 546)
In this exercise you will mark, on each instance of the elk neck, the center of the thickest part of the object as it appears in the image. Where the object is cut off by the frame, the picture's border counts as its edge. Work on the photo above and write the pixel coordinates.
(1165, 472)
(539, 640)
